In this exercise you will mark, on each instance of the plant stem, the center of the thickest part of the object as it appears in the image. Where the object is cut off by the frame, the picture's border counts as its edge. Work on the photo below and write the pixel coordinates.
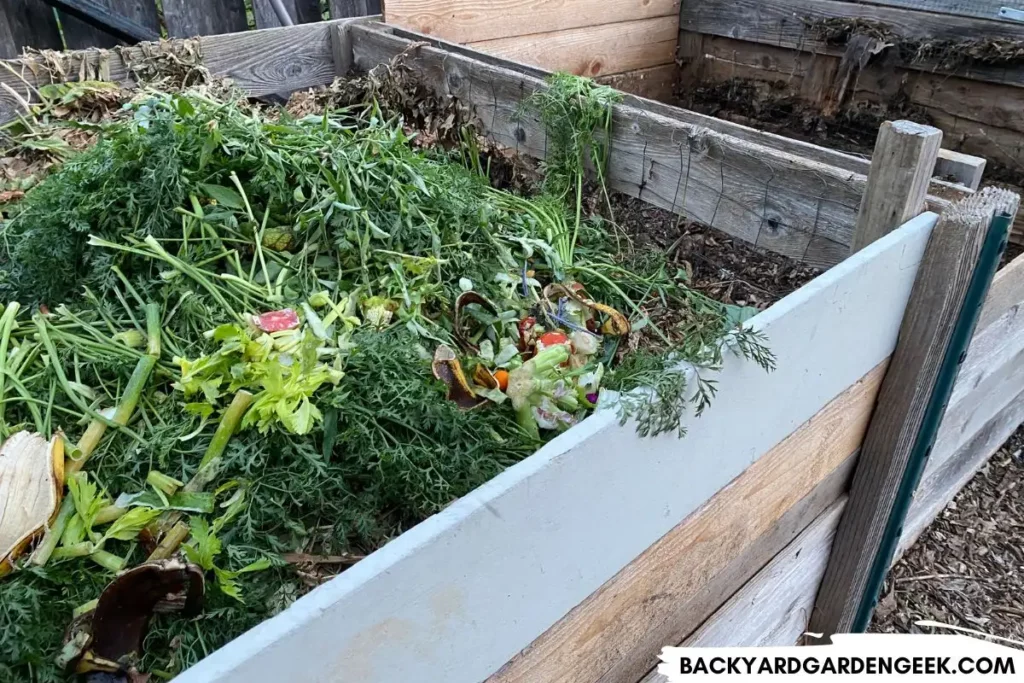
(77, 550)
(172, 540)
(6, 327)
(49, 543)
(108, 514)
(109, 561)
(132, 393)
(225, 430)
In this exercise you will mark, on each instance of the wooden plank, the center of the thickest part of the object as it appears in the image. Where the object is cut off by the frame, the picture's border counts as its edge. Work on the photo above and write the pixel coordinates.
(691, 45)
(966, 110)
(935, 492)
(467, 21)
(259, 62)
(932, 312)
(675, 584)
(300, 11)
(771, 609)
(980, 417)
(344, 9)
(654, 83)
(901, 166)
(137, 17)
(1006, 293)
(593, 50)
(27, 23)
(583, 507)
(188, 18)
(784, 23)
(770, 198)
(979, 9)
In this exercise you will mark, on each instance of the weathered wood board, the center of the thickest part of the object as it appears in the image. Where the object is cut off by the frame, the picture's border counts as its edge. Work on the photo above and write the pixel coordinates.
(260, 62)
(786, 23)
(593, 51)
(520, 552)
(772, 608)
(655, 83)
(770, 198)
(976, 117)
(467, 21)
(980, 417)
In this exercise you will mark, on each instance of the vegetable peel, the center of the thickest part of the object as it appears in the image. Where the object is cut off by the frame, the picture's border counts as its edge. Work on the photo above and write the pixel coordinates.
(31, 487)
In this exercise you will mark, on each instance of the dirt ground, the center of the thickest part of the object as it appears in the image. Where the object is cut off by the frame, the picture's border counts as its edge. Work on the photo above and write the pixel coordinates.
(726, 269)
(967, 568)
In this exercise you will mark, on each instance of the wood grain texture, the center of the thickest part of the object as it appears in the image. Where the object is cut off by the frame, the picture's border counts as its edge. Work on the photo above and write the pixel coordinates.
(460, 594)
(617, 632)
(932, 311)
(273, 60)
(343, 9)
(976, 117)
(772, 609)
(784, 23)
(935, 492)
(980, 416)
(901, 167)
(979, 9)
(259, 62)
(190, 18)
(467, 21)
(963, 168)
(78, 34)
(300, 11)
(652, 83)
(593, 51)
(770, 198)
(27, 23)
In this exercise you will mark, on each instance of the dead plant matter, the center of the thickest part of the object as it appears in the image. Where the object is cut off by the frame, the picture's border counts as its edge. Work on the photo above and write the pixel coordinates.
(945, 53)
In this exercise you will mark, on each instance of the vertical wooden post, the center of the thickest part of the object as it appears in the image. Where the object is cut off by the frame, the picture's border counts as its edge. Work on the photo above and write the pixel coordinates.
(909, 408)
(901, 168)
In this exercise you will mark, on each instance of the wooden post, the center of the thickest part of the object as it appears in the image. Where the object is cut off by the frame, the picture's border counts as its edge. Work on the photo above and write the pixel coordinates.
(885, 474)
(901, 168)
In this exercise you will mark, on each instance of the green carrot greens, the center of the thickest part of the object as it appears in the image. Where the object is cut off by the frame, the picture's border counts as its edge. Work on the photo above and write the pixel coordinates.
(274, 334)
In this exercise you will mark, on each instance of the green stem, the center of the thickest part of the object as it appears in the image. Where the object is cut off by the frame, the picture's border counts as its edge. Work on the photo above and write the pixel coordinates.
(49, 543)
(129, 400)
(153, 329)
(77, 550)
(170, 543)
(108, 561)
(6, 327)
(229, 423)
(108, 514)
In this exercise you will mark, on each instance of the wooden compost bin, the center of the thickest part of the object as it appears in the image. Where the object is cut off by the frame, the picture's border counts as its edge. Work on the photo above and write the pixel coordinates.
(582, 561)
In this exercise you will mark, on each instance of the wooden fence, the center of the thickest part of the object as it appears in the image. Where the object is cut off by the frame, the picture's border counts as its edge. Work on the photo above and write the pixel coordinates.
(35, 24)
(605, 40)
(956, 65)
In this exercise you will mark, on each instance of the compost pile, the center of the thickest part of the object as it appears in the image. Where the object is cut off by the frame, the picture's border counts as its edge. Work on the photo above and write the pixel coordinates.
(239, 346)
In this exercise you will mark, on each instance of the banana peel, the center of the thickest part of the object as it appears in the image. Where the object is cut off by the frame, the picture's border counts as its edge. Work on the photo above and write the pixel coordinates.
(615, 324)
(446, 367)
(31, 488)
(109, 638)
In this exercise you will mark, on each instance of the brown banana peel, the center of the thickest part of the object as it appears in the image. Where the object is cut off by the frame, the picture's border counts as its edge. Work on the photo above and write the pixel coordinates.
(31, 488)
(615, 324)
(446, 367)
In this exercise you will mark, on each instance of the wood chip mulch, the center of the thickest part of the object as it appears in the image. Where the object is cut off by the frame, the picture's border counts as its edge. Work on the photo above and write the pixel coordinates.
(967, 568)
(727, 269)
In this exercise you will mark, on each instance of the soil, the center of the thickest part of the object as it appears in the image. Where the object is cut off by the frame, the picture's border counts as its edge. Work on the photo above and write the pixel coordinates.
(965, 569)
(725, 268)
(772, 107)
